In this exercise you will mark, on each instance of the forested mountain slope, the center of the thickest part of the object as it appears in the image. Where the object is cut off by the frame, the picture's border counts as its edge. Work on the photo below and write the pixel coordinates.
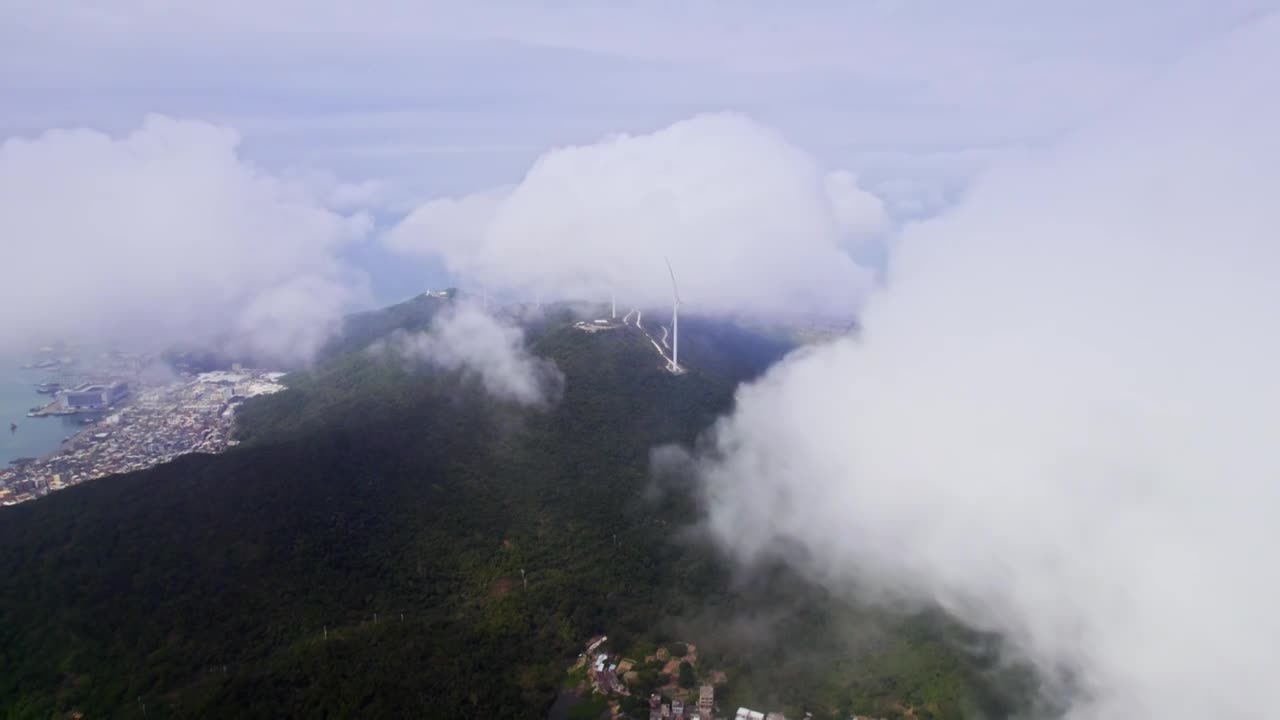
(362, 555)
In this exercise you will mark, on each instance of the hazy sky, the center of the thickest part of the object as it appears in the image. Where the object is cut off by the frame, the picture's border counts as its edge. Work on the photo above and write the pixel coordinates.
(451, 97)
(373, 111)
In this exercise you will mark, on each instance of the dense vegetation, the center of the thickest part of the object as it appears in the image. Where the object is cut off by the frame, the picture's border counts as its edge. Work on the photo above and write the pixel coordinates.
(365, 553)
(362, 329)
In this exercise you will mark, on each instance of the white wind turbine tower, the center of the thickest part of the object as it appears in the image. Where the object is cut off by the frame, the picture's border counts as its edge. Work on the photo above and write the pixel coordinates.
(613, 304)
(675, 322)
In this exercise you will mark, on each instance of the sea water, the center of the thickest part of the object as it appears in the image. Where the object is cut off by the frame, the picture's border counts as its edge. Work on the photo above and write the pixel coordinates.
(34, 437)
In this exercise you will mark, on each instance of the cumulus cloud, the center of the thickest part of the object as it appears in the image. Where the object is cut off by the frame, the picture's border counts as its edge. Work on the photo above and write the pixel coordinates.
(464, 337)
(752, 224)
(1059, 420)
(166, 235)
(451, 227)
(858, 214)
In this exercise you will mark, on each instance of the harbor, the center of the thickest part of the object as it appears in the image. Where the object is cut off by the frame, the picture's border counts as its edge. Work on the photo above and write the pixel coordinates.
(110, 426)
(22, 436)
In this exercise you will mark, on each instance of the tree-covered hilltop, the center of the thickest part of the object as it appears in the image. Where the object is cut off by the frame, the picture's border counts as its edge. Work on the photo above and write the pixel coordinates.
(361, 329)
(389, 541)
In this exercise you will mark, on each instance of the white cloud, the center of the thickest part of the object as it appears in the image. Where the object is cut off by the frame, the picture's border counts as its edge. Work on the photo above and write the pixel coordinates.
(451, 227)
(464, 337)
(858, 213)
(1059, 420)
(342, 196)
(751, 223)
(166, 235)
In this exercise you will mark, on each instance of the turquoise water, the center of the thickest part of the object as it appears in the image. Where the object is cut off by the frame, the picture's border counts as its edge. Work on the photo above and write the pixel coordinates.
(34, 437)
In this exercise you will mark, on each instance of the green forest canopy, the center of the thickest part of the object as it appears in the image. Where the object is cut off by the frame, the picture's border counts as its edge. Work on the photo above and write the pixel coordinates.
(360, 555)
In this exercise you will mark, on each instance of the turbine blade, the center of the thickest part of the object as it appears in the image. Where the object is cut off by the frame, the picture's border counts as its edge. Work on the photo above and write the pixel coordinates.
(675, 289)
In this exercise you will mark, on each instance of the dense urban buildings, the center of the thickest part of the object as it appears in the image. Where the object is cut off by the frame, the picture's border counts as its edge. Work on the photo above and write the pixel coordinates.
(155, 425)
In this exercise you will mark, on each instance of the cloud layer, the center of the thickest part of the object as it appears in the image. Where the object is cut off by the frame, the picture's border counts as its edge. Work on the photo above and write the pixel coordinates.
(464, 337)
(752, 224)
(1059, 420)
(166, 235)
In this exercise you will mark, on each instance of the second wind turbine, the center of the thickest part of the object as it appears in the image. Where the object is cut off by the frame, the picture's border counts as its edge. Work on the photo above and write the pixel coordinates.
(674, 366)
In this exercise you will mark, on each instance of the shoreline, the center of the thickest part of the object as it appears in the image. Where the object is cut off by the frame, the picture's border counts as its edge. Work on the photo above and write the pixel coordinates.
(34, 436)
(68, 442)
(152, 425)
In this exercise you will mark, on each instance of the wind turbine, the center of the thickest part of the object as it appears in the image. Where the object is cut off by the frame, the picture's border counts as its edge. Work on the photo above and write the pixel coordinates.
(675, 322)
(613, 304)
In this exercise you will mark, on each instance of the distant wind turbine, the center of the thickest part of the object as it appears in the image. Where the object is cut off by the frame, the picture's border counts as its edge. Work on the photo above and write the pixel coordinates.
(675, 322)
(613, 304)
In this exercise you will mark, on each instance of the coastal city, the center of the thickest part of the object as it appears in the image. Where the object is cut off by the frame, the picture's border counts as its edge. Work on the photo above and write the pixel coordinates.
(129, 419)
